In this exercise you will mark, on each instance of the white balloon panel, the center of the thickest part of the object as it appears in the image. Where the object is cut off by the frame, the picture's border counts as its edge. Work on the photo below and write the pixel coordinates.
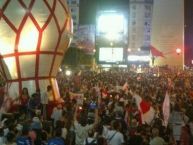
(34, 35)
(45, 64)
(27, 65)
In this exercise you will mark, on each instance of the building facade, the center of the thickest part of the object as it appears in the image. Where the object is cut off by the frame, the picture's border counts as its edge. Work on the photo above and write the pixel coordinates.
(74, 7)
(188, 32)
(168, 31)
(140, 18)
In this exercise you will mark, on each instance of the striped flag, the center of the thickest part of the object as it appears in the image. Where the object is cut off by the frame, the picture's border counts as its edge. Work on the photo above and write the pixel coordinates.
(155, 52)
(146, 110)
(166, 109)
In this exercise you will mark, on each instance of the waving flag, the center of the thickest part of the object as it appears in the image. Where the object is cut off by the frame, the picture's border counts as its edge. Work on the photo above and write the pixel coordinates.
(155, 52)
(166, 109)
(146, 110)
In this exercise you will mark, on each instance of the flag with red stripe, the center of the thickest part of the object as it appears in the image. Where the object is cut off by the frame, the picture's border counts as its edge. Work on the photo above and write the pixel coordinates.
(146, 110)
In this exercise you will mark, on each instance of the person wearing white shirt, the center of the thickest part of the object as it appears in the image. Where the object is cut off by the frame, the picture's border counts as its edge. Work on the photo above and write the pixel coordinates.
(157, 140)
(44, 101)
(114, 136)
(57, 113)
(177, 121)
(82, 128)
(90, 140)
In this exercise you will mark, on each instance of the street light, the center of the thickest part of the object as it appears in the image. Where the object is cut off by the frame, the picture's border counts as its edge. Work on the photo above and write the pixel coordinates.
(68, 72)
(129, 50)
(178, 51)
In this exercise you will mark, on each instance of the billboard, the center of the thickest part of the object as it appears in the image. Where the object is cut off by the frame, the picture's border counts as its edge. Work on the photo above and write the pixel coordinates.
(110, 55)
(111, 26)
(110, 22)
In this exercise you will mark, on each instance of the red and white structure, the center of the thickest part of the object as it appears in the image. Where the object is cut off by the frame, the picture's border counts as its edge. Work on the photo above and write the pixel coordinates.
(34, 35)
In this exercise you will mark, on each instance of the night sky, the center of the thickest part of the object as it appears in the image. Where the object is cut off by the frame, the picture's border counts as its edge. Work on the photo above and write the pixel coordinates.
(88, 8)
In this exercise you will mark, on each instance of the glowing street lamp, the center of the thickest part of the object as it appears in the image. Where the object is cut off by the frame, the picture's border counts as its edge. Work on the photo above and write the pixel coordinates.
(68, 73)
(178, 51)
(129, 50)
(111, 44)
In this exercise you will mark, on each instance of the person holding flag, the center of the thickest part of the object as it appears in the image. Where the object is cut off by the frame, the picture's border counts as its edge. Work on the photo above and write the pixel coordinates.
(147, 112)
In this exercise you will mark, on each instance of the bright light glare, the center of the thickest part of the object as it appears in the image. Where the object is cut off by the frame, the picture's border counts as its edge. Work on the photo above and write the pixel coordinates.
(6, 42)
(110, 23)
(123, 66)
(68, 73)
(139, 70)
(178, 50)
(106, 65)
(29, 38)
(11, 64)
(138, 58)
(112, 36)
(60, 70)
(110, 54)
(5, 48)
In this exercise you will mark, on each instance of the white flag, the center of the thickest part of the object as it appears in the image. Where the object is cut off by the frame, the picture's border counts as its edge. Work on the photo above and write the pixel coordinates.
(166, 109)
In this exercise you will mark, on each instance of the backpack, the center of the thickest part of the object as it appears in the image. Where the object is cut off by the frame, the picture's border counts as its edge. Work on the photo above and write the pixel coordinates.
(56, 141)
(109, 139)
(93, 142)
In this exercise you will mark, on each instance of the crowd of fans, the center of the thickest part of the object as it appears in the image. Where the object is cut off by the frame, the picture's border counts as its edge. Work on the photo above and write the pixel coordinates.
(100, 109)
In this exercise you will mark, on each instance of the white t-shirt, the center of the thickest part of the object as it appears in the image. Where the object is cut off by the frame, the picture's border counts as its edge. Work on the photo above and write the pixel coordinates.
(56, 115)
(44, 98)
(64, 132)
(105, 131)
(176, 119)
(81, 132)
(89, 140)
(157, 141)
(117, 138)
(191, 128)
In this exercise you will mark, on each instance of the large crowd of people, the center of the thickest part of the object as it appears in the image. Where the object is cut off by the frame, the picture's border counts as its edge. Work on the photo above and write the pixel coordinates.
(102, 109)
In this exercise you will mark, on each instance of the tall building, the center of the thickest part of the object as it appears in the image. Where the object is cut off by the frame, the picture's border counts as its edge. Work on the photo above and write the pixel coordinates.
(168, 31)
(74, 7)
(140, 18)
(188, 32)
